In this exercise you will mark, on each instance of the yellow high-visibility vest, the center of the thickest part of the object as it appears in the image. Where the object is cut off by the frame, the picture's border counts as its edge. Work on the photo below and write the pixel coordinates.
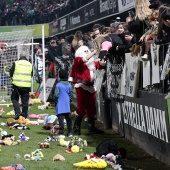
(22, 73)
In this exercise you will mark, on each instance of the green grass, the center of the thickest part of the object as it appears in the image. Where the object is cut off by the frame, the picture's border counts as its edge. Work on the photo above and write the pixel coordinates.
(136, 157)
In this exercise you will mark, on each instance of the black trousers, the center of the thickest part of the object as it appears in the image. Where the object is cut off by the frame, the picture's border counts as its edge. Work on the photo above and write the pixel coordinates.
(61, 118)
(16, 93)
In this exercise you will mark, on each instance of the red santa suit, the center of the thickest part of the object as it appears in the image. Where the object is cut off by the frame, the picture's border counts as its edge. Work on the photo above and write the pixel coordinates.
(82, 74)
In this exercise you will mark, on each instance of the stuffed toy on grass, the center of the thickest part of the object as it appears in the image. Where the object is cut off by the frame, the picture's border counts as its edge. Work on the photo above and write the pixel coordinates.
(36, 101)
(22, 136)
(45, 106)
(21, 120)
(37, 153)
(112, 160)
(58, 157)
(91, 162)
(75, 144)
(36, 158)
(32, 95)
(50, 121)
(17, 124)
(10, 113)
(1, 111)
(9, 140)
(44, 145)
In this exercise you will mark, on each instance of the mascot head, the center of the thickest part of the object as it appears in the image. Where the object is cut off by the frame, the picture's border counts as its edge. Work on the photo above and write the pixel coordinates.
(82, 51)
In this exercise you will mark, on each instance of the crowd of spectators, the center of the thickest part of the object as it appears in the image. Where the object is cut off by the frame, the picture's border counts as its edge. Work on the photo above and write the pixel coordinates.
(30, 12)
(129, 35)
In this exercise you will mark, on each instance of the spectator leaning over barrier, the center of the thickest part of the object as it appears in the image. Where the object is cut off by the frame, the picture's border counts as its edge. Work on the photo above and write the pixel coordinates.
(122, 33)
(21, 73)
(82, 75)
(163, 30)
(164, 36)
(165, 16)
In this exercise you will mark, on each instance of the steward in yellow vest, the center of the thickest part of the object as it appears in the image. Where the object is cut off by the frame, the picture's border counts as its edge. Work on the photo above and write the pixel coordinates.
(21, 74)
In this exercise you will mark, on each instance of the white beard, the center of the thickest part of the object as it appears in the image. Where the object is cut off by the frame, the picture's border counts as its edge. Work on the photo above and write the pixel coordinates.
(90, 64)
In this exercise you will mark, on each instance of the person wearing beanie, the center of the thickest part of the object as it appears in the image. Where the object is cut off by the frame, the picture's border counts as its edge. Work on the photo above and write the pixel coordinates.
(63, 74)
(62, 98)
(21, 74)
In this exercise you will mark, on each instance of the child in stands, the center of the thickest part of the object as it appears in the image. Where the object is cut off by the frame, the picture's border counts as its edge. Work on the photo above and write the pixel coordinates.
(149, 36)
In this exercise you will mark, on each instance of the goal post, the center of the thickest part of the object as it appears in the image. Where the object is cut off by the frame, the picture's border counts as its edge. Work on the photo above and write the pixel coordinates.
(12, 44)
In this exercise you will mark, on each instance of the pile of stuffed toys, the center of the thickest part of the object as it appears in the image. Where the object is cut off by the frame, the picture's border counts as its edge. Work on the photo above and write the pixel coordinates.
(74, 145)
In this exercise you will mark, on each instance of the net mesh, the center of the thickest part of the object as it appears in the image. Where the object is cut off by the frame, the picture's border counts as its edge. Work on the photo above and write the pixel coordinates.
(12, 44)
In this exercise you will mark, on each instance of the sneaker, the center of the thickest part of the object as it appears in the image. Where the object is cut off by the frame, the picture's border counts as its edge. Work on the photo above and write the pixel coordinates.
(145, 57)
(17, 116)
(70, 135)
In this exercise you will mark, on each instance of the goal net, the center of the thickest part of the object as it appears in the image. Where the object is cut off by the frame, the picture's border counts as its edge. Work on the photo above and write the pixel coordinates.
(12, 44)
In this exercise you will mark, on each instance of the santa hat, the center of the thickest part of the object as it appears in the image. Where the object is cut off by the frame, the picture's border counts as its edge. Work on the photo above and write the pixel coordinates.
(81, 51)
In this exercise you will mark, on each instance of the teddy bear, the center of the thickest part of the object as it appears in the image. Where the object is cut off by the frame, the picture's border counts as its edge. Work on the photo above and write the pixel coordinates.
(44, 145)
(114, 161)
(58, 157)
(32, 95)
(9, 140)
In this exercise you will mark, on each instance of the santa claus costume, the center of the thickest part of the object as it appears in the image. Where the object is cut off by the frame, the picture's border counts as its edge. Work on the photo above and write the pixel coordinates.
(82, 75)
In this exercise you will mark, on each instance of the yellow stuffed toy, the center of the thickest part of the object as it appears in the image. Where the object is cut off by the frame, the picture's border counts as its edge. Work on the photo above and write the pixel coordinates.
(92, 163)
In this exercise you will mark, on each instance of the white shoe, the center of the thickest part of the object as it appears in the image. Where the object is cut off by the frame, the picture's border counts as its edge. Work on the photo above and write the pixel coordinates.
(167, 96)
(145, 57)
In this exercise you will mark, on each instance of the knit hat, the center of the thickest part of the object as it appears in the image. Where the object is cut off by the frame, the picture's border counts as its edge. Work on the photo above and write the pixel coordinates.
(115, 24)
(135, 26)
(63, 74)
(155, 5)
